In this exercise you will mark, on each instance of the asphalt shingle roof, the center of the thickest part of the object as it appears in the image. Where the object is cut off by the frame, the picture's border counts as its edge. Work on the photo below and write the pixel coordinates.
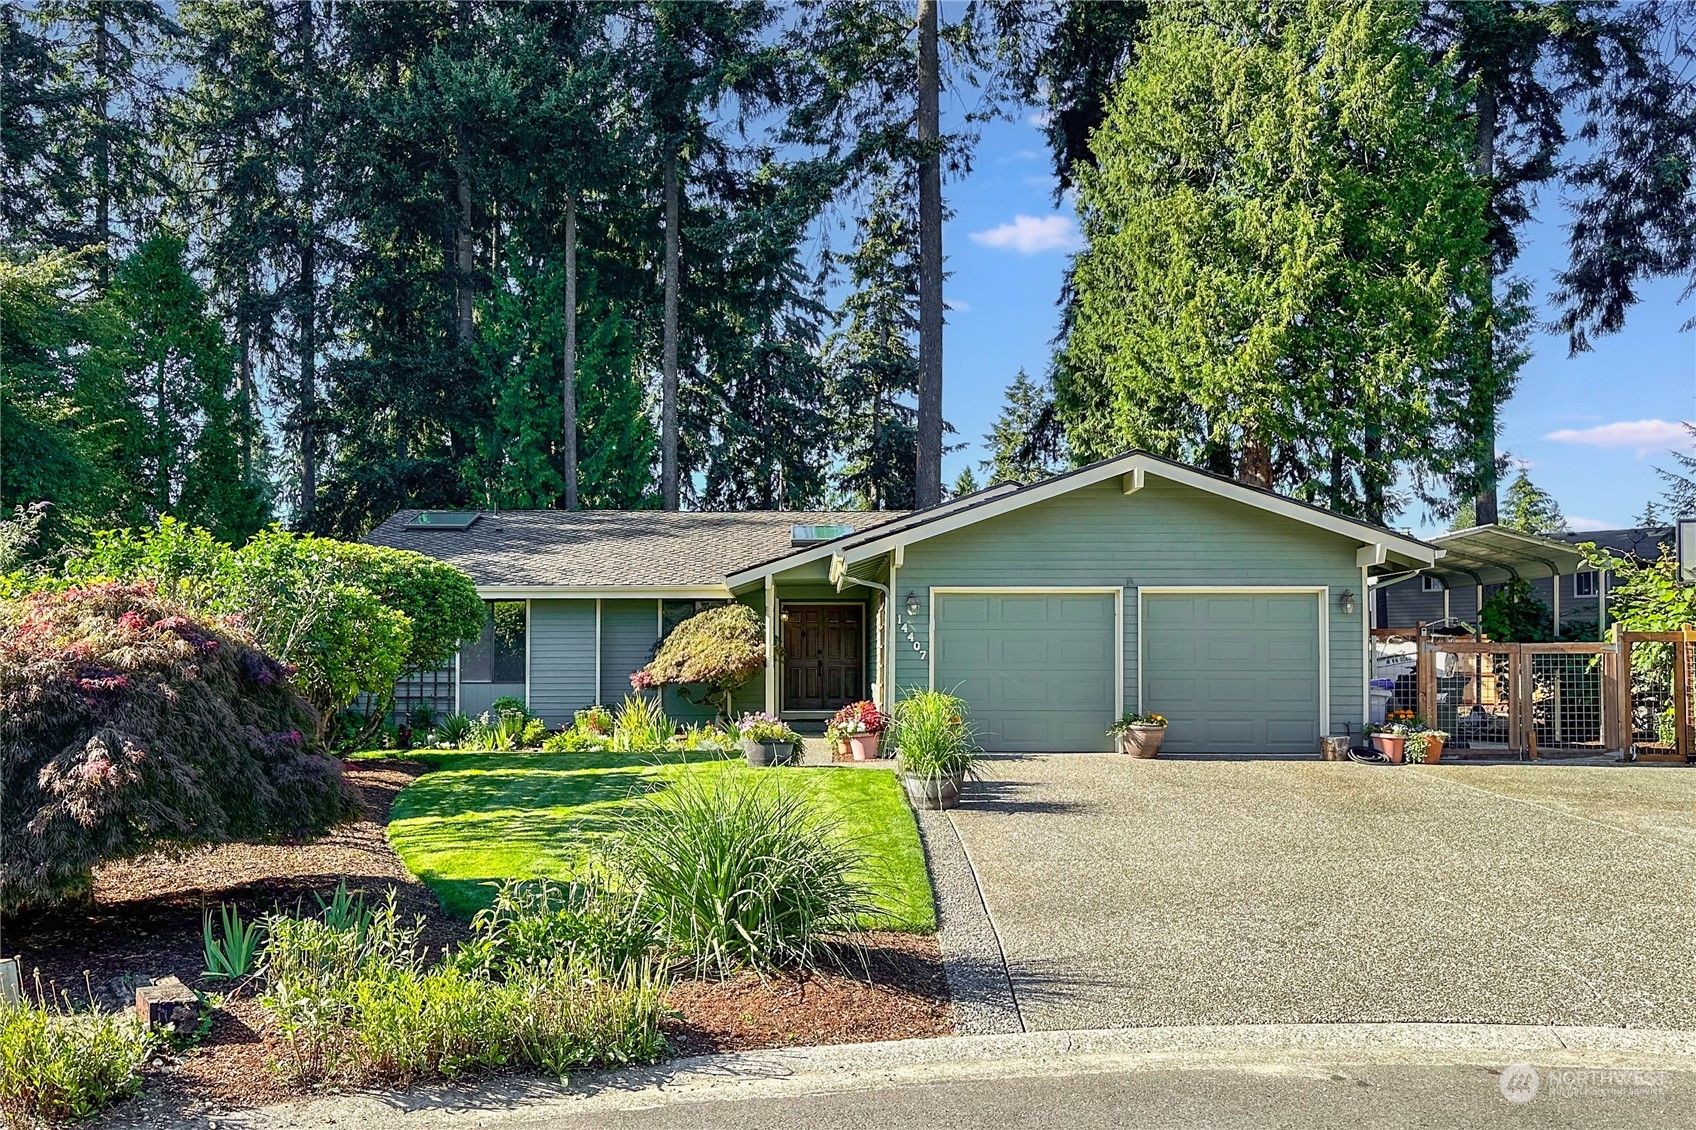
(614, 548)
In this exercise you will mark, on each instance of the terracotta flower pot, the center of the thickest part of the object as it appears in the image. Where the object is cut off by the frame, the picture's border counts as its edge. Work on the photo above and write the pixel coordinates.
(864, 746)
(842, 750)
(1433, 750)
(1392, 746)
(1142, 741)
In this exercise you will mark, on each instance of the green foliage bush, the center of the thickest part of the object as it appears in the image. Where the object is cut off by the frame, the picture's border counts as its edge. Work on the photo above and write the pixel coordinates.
(534, 921)
(351, 618)
(1513, 614)
(56, 1066)
(356, 1002)
(734, 873)
(721, 648)
(130, 725)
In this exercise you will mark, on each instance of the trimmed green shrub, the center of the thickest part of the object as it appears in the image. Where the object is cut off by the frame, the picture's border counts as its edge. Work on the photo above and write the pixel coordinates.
(351, 618)
(735, 873)
(56, 1066)
(129, 725)
(535, 732)
(721, 649)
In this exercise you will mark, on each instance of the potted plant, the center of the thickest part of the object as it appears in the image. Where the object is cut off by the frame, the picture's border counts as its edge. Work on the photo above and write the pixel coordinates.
(933, 745)
(766, 740)
(1390, 739)
(857, 726)
(1425, 745)
(1139, 734)
(837, 738)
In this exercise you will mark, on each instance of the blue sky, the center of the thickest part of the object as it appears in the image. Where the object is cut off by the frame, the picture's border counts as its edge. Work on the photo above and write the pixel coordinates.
(1591, 428)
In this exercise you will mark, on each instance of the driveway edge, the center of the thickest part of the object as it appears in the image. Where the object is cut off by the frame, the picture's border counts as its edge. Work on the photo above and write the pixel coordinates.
(978, 981)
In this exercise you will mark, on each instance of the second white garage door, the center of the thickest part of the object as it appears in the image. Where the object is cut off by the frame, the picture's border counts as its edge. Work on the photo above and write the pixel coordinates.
(1038, 669)
(1233, 672)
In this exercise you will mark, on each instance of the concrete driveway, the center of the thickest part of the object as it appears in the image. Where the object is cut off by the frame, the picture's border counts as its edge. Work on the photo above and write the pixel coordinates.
(1129, 893)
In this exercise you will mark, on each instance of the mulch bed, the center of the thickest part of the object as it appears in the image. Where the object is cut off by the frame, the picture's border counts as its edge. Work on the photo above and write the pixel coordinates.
(146, 921)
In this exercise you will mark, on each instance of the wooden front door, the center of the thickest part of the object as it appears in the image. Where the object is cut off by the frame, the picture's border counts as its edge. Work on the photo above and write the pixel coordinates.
(824, 663)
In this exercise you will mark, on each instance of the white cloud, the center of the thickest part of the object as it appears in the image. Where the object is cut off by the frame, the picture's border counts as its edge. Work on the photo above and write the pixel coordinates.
(1579, 525)
(959, 304)
(1031, 235)
(1642, 436)
(1039, 119)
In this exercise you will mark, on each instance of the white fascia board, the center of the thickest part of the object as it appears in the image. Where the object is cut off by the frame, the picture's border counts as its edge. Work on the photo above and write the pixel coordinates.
(1129, 467)
(1375, 554)
(781, 565)
(608, 592)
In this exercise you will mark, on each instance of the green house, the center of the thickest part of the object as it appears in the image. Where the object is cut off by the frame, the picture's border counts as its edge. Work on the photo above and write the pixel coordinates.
(1133, 583)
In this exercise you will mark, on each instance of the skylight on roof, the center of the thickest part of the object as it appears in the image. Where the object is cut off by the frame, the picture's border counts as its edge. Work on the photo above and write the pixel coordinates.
(812, 535)
(442, 520)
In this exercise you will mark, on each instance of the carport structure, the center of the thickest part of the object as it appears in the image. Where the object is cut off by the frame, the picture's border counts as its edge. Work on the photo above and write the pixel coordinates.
(1508, 696)
(1491, 555)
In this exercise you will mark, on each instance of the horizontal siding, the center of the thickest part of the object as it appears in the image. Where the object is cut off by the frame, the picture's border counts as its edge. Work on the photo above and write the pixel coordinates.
(1163, 535)
(629, 630)
(475, 698)
(1405, 603)
(562, 658)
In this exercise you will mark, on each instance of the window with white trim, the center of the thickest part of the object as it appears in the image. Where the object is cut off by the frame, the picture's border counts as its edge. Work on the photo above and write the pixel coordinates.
(1428, 583)
(1585, 584)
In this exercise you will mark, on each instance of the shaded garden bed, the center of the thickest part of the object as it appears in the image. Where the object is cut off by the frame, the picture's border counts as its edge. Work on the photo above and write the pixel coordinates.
(147, 921)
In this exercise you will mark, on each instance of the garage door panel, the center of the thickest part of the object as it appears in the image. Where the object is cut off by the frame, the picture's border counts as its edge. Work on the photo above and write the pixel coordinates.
(1036, 669)
(963, 609)
(1233, 673)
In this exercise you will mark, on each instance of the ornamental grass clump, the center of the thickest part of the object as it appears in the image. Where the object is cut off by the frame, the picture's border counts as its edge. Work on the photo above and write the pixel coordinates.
(57, 1065)
(130, 725)
(931, 735)
(735, 873)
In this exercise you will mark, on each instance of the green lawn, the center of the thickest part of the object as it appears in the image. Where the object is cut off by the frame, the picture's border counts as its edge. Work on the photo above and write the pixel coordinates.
(481, 818)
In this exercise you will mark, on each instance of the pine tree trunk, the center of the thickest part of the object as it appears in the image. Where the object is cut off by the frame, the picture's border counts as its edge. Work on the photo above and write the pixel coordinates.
(1254, 465)
(928, 474)
(464, 249)
(1484, 399)
(568, 381)
(670, 473)
(307, 394)
(162, 442)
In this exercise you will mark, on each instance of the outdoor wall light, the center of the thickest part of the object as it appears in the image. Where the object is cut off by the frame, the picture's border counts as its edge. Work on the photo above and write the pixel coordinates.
(1346, 599)
(912, 603)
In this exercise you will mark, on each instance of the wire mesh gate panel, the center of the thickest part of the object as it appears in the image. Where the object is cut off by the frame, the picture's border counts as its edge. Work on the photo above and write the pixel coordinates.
(1657, 683)
(1519, 698)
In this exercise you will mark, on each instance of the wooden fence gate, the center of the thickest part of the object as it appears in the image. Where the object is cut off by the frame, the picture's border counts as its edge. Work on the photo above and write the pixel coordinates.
(1655, 694)
(1521, 698)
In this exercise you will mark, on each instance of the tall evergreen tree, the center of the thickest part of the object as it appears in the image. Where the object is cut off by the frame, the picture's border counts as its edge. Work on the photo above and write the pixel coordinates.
(1532, 509)
(1285, 249)
(1021, 448)
(874, 368)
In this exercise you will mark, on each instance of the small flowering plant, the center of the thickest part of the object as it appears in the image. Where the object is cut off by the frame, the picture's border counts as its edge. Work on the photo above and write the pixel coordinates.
(1136, 719)
(859, 718)
(765, 728)
(1397, 724)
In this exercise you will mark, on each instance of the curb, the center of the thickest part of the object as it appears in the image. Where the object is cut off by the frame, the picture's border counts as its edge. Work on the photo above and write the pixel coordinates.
(745, 1076)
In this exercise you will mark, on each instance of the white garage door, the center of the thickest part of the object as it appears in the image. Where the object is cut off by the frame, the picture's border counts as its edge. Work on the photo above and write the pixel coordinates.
(1233, 672)
(1037, 669)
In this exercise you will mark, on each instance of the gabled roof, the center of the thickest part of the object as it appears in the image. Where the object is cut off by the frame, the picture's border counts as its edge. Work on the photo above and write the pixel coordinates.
(1133, 467)
(1640, 541)
(612, 549)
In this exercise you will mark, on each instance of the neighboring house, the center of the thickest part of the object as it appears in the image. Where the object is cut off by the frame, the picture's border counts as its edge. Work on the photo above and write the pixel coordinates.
(1582, 592)
(1051, 608)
